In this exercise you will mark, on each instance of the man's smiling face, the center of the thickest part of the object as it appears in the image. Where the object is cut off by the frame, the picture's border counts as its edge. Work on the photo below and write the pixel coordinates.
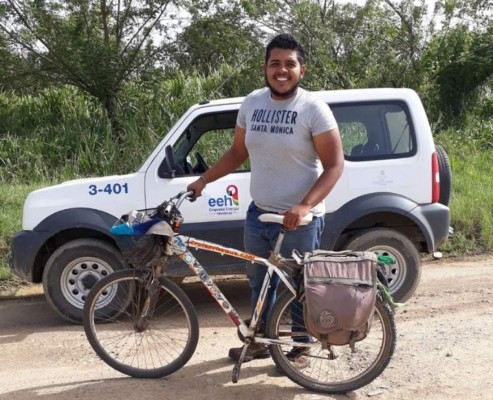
(283, 73)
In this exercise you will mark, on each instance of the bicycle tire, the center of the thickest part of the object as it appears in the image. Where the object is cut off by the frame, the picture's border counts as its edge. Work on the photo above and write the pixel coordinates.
(345, 373)
(163, 346)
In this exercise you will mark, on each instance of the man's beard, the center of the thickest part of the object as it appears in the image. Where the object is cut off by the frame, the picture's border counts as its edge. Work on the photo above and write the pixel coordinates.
(283, 95)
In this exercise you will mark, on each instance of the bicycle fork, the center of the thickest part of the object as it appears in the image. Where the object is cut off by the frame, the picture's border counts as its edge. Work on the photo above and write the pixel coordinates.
(151, 284)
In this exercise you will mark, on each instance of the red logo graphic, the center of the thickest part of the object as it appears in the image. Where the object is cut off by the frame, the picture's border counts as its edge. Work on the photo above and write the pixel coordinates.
(232, 190)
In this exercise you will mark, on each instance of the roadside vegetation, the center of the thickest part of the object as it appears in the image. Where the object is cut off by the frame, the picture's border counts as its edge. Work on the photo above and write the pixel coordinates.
(470, 150)
(100, 93)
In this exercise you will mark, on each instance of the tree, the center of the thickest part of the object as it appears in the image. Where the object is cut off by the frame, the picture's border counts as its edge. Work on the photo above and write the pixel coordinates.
(350, 45)
(94, 45)
(14, 69)
(211, 39)
(460, 62)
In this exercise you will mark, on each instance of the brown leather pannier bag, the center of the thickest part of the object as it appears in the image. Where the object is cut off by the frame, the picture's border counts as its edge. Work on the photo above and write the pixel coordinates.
(340, 290)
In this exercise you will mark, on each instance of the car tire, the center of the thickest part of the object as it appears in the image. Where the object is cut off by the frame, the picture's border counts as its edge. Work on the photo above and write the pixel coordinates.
(73, 269)
(445, 172)
(403, 276)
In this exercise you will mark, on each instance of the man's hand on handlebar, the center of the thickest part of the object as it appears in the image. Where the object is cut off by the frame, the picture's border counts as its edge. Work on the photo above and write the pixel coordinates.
(196, 187)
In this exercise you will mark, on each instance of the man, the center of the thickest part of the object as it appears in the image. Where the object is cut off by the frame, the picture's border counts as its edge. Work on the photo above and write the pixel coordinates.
(296, 158)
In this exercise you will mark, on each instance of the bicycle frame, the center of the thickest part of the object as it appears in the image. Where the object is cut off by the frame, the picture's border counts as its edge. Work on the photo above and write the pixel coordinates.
(128, 347)
(181, 244)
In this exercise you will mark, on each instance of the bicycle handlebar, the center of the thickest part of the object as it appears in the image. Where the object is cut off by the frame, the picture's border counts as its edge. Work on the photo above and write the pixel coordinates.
(180, 197)
(165, 208)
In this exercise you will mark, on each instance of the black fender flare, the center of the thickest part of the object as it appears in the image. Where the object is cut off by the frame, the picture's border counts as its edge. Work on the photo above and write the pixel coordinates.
(73, 218)
(29, 246)
(337, 222)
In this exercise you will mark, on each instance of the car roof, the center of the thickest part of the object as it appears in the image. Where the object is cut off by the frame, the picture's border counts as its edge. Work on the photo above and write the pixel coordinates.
(333, 96)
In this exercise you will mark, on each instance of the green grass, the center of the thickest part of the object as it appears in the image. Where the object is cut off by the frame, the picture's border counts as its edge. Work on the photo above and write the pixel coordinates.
(12, 198)
(471, 202)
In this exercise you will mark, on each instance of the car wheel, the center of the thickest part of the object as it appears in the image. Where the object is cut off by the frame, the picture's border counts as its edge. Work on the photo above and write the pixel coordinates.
(73, 269)
(445, 172)
(403, 276)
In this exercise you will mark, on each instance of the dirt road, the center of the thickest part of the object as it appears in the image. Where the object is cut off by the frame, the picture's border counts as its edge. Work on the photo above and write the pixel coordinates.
(444, 350)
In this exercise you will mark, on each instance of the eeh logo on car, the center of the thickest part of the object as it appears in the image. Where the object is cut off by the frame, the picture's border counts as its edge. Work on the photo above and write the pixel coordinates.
(232, 190)
(228, 204)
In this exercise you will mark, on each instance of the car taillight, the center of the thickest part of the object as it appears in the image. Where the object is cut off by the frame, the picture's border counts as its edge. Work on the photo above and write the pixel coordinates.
(435, 179)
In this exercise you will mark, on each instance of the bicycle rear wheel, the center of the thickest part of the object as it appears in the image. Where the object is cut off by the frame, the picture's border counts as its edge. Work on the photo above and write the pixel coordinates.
(150, 347)
(348, 371)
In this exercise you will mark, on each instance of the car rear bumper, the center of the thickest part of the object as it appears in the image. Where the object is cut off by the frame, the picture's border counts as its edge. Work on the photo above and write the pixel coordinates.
(435, 223)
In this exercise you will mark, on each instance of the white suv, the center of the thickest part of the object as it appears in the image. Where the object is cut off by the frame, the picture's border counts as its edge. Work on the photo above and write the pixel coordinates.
(388, 199)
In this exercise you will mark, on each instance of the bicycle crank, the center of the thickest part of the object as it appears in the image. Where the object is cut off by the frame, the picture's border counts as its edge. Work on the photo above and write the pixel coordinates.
(237, 368)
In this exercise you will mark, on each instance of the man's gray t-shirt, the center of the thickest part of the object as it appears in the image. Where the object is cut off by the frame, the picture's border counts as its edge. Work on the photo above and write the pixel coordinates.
(284, 163)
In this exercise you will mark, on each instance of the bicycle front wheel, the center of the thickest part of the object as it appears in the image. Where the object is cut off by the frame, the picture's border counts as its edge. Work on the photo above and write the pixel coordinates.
(319, 370)
(137, 331)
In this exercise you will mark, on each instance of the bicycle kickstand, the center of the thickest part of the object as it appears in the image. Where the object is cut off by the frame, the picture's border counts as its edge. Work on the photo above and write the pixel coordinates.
(237, 367)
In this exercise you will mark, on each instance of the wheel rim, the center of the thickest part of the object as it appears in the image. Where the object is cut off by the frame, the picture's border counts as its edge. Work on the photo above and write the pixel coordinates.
(80, 276)
(394, 274)
(348, 371)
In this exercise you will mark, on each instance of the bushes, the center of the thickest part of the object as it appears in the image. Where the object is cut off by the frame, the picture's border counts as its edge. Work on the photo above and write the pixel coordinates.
(63, 134)
(51, 136)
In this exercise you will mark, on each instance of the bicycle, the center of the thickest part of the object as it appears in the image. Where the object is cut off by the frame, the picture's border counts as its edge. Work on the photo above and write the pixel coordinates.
(142, 324)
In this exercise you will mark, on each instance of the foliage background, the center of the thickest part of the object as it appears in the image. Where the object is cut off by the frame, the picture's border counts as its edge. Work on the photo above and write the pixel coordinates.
(54, 128)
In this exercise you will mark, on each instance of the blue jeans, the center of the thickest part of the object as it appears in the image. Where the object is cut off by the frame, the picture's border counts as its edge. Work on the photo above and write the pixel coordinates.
(260, 239)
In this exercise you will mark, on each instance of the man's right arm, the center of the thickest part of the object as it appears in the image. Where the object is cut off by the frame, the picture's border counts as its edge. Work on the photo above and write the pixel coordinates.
(228, 163)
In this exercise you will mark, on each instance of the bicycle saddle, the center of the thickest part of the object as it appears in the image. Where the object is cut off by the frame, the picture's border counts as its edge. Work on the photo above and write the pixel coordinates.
(279, 219)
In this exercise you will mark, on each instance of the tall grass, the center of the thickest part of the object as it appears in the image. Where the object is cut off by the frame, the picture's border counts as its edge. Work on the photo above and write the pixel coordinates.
(57, 134)
(62, 133)
(471, 157)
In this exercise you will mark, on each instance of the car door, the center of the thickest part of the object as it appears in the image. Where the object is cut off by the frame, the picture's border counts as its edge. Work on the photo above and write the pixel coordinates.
(218, 215)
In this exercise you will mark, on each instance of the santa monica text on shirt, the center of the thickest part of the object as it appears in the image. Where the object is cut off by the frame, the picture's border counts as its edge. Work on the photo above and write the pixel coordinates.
(286, 130)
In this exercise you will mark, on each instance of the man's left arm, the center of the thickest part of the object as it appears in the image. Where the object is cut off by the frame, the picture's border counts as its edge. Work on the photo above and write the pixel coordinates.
(328, 146)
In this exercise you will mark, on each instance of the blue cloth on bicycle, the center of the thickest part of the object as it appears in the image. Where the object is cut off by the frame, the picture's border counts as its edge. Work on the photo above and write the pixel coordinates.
(134, 229)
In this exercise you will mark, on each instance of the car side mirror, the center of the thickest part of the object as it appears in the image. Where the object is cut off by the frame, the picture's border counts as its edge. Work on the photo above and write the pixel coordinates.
(168, 168)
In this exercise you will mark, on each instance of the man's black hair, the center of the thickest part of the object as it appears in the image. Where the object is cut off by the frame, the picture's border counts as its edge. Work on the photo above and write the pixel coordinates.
(288, 42)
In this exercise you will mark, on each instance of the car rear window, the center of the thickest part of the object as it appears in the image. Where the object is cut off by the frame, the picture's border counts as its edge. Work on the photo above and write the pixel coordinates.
(375, 130)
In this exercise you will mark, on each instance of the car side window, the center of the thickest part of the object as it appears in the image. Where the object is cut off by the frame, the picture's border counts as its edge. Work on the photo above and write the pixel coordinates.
(203, 143)
(399, 133)
(213, 144)
(374, 131)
